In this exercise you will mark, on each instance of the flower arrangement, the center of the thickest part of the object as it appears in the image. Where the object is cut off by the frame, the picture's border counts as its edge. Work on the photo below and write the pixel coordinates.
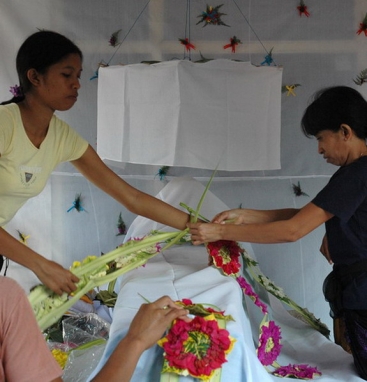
(197, 348)
(186, 345)
(225, 255)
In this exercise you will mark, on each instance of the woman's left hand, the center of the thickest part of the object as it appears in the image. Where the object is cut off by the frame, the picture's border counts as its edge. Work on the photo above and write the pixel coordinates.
(324, 249)
(205, 232)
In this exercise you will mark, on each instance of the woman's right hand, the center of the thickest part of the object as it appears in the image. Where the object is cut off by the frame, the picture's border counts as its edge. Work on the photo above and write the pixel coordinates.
(55, 277)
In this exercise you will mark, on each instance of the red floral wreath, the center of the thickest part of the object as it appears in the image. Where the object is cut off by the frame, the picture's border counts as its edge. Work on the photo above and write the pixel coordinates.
(198, 347)
(225, 254)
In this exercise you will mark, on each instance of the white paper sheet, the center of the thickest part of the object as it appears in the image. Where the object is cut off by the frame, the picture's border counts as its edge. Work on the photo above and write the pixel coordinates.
(191, 114)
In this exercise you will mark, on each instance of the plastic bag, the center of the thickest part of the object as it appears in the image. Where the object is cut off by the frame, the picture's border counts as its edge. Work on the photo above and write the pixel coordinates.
(81, 329)
(81, 363)
(86, 336)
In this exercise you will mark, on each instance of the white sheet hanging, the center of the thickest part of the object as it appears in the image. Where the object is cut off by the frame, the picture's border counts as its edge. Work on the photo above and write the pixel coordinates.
(186, 114)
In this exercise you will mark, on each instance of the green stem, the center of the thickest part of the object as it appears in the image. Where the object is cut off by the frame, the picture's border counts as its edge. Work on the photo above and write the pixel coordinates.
(191, 211)
(175, 240)
(128, 248)
(49, 319)
(194, 218)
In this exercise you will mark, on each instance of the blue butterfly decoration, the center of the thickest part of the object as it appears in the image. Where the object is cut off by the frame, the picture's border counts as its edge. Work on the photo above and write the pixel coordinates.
(77, 204)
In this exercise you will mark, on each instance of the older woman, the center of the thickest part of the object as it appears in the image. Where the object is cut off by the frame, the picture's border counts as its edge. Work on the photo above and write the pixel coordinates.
(337, 117)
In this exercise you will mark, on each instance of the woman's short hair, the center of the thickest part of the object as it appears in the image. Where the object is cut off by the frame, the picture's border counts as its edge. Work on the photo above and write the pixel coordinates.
(331, 107)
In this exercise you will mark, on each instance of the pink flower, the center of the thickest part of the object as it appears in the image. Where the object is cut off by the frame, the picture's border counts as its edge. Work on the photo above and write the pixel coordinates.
(247, 289)
(269, 343)
(186, 301)
(297, 371)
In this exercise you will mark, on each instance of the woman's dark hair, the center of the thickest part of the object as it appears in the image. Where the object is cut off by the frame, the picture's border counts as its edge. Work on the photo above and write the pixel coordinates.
(334, 106)
(39, 51)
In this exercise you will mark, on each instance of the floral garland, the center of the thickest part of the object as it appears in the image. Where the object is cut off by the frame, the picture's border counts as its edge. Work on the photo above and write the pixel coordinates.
(197, 348)
(226, 257)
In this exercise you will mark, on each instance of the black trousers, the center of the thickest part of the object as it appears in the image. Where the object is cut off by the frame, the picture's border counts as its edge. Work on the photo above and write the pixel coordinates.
(356, 331)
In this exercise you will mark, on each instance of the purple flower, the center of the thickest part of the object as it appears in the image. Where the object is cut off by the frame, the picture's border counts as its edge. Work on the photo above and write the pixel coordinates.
(16, 90)
(297, 371)
(269, 343)
(247, 289)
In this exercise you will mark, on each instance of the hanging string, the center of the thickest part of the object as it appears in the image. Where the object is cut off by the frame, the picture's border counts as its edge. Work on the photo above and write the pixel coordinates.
(128, 32)
(252, 29)
(188, 27)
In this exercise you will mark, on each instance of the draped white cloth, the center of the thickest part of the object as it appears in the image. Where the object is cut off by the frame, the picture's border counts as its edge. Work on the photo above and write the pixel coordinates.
(182, 272)
(187, 114)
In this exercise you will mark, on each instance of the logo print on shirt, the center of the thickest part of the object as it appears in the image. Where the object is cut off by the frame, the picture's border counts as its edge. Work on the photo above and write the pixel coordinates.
(28, 176)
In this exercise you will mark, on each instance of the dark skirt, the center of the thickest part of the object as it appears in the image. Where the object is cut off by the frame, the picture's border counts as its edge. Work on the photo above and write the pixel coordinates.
(356, 332)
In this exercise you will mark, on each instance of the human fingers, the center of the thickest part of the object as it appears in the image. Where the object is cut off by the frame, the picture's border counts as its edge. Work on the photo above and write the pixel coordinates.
(195, 232)
(221, 217)
(324, 249)
(206, 233)
(153, 319)
(173, 310)
(57, 278)
(166, 304)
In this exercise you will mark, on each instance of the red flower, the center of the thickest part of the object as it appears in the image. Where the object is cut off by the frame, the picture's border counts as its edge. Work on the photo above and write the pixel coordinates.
(198, 347)
(186, 301)
(225, 254)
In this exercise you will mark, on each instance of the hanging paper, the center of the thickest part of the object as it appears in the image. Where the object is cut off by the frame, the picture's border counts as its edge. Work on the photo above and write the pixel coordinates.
(186, 114)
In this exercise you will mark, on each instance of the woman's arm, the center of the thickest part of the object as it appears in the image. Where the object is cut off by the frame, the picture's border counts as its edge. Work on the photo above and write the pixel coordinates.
(50, 273)
(145, 330)
(281, 231)
(248, 216)
(140, 203)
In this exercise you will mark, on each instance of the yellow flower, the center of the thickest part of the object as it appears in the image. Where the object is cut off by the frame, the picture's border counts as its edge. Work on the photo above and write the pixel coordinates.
(60, 356)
